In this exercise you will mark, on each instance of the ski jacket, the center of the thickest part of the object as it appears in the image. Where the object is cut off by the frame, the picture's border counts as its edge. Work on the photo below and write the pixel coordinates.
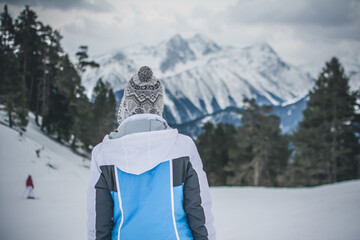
(148, 185)
(29, 182)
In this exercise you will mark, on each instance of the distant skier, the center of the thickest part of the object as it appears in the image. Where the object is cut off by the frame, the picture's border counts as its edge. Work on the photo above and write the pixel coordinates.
(30, 187)
(38, 153)
(146, 179)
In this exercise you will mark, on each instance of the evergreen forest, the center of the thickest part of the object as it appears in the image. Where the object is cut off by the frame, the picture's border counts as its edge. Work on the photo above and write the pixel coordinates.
(324, 148)
(37, 76)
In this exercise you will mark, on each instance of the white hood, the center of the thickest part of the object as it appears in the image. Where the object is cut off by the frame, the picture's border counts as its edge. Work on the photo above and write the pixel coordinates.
(137, 153)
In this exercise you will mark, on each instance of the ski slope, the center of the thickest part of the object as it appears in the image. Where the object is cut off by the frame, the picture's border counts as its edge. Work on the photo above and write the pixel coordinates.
(60, 211)
(330, 212)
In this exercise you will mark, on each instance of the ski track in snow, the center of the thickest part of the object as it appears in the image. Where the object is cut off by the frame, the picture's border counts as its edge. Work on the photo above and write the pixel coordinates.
(330, 212)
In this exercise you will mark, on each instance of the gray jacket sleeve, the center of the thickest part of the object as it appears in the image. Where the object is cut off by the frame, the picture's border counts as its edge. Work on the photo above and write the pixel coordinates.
(197, 199)
(104, 207)
(99, 200)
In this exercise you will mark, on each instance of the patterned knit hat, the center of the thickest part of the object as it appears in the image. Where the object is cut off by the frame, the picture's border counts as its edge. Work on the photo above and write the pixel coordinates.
(143, 94)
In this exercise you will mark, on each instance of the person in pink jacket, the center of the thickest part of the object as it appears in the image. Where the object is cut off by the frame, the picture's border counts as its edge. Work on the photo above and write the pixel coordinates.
(30, 187)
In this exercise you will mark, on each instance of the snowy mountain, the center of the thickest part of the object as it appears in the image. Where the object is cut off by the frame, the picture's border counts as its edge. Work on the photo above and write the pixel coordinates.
(290, 114)
(60, 177)
(202, 79)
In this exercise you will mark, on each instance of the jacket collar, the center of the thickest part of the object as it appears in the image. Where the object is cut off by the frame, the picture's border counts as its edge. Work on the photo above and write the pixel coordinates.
(144, 116)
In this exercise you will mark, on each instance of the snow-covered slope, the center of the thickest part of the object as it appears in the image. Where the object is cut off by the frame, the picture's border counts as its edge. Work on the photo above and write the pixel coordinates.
(60, 179)
(200, 77)
(328, 212)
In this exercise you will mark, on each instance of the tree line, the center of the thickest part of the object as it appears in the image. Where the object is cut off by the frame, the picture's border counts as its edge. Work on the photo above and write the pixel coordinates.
(36, 75)
(323, 149)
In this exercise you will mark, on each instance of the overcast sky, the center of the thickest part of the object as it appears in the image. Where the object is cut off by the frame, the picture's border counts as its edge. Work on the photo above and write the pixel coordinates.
(305, 33)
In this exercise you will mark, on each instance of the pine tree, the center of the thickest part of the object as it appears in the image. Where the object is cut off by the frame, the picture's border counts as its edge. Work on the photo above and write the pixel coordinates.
(104, 111)
(29, 52)
(51, 52)
(82, 108)
(261, 153)
(12, 93)
(59, 118)
(325, 142)
(83, 62)
(213, 146)
(83, 121)
(205, 144)
(111, 108)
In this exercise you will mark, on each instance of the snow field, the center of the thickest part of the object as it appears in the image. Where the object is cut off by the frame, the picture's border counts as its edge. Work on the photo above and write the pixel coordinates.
(330, 212)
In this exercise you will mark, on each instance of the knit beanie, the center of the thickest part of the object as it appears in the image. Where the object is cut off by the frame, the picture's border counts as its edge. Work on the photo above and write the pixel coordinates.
(143, 94)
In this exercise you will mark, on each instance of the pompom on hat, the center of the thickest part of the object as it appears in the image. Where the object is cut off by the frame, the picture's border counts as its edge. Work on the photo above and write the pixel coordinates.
(143, 94)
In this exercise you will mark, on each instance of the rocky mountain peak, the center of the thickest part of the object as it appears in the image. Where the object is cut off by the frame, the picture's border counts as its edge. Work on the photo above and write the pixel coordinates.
(177, 51)
(203, 45)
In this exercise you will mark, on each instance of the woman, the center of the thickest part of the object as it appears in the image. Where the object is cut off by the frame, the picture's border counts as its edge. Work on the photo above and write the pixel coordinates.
(146, 179)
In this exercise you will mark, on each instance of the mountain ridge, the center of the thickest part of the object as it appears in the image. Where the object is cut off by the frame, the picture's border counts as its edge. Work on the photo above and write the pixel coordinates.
(201, 78)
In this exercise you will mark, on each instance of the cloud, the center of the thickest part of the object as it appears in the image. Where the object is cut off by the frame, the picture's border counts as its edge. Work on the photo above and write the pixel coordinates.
(332, 18)
(63, 4)
(303, 32)
(308, 12)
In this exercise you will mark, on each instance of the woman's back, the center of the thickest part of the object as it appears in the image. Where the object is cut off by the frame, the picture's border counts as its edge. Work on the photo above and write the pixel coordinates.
(147, 182)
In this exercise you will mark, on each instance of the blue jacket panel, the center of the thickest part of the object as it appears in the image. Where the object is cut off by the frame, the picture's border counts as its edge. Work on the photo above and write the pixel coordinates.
(146, 198)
